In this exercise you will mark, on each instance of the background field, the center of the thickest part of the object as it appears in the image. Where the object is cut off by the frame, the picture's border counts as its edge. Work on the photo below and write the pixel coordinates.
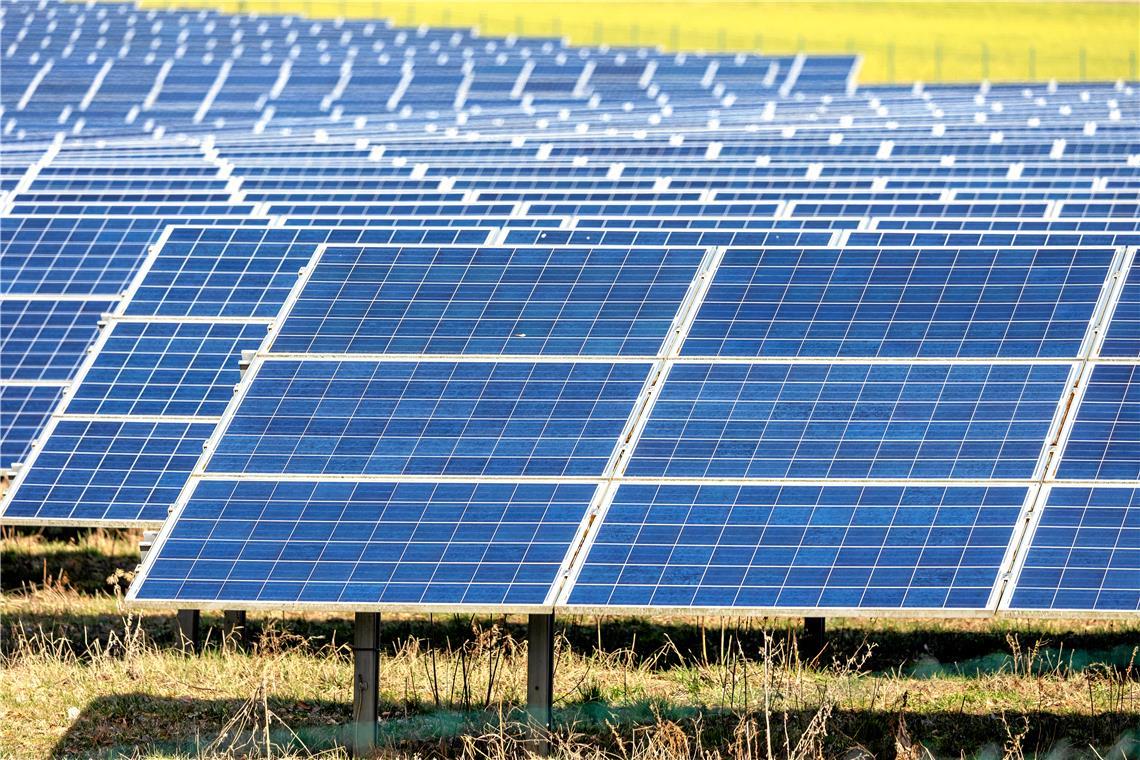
(82, 677)
(900, 41)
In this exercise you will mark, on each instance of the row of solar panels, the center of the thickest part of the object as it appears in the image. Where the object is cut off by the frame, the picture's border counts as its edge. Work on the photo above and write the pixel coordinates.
(805, 301)
(182, 432)
(191, 69)
(63, 72)
(762, 398)
(507, 424)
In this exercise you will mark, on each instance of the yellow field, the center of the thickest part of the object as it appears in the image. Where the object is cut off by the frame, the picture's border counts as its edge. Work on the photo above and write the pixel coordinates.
(900, 41)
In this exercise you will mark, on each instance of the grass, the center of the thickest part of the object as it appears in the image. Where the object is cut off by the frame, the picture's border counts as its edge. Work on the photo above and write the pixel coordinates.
(83, 677)
(900, 40)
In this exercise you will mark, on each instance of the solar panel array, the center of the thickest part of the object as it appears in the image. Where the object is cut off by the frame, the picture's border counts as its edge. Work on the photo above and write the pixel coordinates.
(417, 319)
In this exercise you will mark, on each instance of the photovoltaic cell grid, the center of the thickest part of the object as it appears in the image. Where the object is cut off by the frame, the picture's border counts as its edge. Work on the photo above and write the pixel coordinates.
(857, 547)
(123, 449)
(866, 303)
(1104, 443)
(24, 410)
(926, 594)
(248, 272)
(1123, 337)
(227, 272)
(88, 255)
(360, 543)
(162, 368)
(45, 340)
(1084, 554)
(1043, 342)
(489, 300)
(109, 470)
(849, 421)
(313, 417)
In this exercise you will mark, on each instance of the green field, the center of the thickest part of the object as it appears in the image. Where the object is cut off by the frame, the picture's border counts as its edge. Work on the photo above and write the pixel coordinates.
(83, 677)
(900, 41)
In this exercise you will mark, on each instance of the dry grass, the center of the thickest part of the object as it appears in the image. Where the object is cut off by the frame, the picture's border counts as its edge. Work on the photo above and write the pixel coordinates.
(82, 677)
(68, 693)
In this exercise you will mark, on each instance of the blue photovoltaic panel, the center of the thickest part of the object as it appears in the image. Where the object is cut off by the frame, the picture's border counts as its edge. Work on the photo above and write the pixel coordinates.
(24, 410)
(799, 546)
(202, 272)
(899, 303)
(109, 470)
(429, 418)
(1084, 554)
(849, 421)
(368, 543)
(1104, 443)
(46, 340)
(166, 369)
(72, 255)
(248, 272)
(1123, 337)
(486, 300)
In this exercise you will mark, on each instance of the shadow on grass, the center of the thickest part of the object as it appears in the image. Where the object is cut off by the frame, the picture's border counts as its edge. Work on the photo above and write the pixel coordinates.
(914, 650)
(83, 568)
(132, 724)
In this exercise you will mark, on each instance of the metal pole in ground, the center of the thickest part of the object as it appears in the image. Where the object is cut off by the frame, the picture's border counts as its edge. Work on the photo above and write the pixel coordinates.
(365, 681)
(234, 628)
(189, 629)
(540, 681)
(815, 637)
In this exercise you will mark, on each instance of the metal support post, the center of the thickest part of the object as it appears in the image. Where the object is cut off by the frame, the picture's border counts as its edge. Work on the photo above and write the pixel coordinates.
(365, 681)
(234, 628)
(540, 680)
(815, 637)
(189, 629)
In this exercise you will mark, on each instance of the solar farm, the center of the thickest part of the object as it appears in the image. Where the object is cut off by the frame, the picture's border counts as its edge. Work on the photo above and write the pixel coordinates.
(359, 329)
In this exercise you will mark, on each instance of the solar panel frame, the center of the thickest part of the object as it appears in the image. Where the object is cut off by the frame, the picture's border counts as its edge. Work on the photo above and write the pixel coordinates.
(567, 605)
(121, 314)
(24, 411)
(1046, 522)
(481, 257)
(765, 612)
(1121, 334)
(616, 457)
(138, 593)
(1096, 447)
(70, 470)
(995, 605)
(61, 330)
(651, 154)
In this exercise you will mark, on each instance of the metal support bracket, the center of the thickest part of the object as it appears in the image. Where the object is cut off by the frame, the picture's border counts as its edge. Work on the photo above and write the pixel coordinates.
(540, 681)
(189, 627)
(365, 681)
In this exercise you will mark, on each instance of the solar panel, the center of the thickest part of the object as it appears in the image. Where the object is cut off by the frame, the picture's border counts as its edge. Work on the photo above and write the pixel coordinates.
(849, 421)
(1104, 443)
(489, 300)
(24, 410)
(1123, 337)
(353, 543)
(366, 417)
(116, 472)
(247, 272)
(161, 368)
(73, 255)
(1084, 553)
(45, 340)
(912, 282)
(900, 303)
(220, 273)
(867, 547)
